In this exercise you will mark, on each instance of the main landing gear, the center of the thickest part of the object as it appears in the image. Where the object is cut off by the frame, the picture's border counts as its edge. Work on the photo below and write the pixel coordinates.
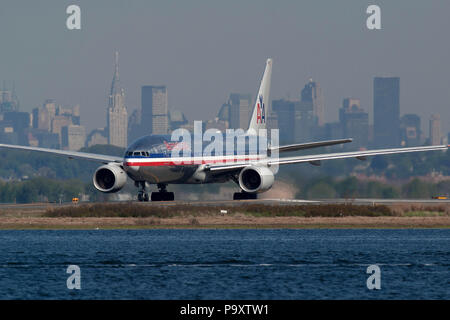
(163, 194)
(244, 196)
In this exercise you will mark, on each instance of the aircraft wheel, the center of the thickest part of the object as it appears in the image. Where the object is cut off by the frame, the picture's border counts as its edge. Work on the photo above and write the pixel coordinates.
(169, 196)
(140, 196)
(156, 196)
(163, 196)
(244, 196)
(146, 198)
(252, 196)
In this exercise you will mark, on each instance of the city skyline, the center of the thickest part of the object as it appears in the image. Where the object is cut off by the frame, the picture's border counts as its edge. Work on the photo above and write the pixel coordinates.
(202, 66)
(55, 126)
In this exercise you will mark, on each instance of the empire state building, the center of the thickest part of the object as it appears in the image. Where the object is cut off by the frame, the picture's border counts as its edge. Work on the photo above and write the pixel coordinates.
(117, 117)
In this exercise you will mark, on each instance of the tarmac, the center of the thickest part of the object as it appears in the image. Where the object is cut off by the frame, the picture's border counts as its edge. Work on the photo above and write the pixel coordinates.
(281, 202)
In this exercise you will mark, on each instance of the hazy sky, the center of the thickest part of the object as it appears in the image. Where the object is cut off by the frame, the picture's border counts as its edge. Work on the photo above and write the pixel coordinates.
(204, 49)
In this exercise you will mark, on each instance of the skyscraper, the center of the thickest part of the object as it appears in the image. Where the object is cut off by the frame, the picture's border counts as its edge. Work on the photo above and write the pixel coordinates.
(312, 94)
(8, 99)
(240, 110)
(309, 113)
(155, 110)
(285, 114)
(435, 130)
(304, 121)
(117, 119)
(410, 130)
(20, 122)
(97, 136)
(134, 126)
(354, 123)
(236, 111)
(386, 109)
(73, 137)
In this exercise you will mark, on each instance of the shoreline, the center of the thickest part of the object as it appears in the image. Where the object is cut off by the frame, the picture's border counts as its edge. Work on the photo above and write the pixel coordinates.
(212, 216)
(224, 222)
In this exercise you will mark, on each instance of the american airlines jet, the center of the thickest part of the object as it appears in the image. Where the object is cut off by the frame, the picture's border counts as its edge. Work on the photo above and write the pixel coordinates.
(150, 160)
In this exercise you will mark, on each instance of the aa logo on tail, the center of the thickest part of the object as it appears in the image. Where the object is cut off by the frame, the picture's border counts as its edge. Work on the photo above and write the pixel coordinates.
(260, 111)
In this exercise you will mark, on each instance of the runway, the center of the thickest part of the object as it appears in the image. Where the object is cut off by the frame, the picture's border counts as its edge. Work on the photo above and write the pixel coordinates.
(232, 203)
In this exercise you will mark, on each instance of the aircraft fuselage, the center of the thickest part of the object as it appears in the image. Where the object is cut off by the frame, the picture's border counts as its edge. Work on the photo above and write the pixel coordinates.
(150, 159)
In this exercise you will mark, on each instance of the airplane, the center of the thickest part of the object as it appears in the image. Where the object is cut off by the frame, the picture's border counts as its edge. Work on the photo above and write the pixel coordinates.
(149, 161)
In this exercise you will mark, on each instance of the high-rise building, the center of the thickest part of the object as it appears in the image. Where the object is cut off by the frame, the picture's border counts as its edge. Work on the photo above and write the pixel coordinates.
(52, 118)
(410, 130)
(155, 110)
(146, 110)
(117, 118)
(134, 126)
(216, 124)
(20, 122)
(236, 111)
(73, 137)
(312, 94)
(58, 123)
(305, 123)
(386, 105)
(354, 123)
(240, 105)
(177, 119)
(333, 131)
(73, 113)
(309, 113)
(284, 110)
(8, 99)
(224, 113)
(43, 116)
(435, 130)
(97, 136)
(47, 139)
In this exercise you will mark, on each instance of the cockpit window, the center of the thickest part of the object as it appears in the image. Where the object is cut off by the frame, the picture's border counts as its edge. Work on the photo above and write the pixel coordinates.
(153, 144)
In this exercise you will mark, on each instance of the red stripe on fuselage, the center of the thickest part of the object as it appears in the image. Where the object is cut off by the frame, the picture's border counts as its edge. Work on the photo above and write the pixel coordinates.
(182, 163)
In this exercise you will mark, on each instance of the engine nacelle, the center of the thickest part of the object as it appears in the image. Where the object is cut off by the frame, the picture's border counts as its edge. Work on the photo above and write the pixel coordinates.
(109, 178)
(255, 179)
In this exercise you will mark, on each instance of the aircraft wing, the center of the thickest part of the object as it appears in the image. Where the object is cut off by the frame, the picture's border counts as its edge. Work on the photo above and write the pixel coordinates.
(316, 158)
(309, 145)
(355, 154)
(68, 154)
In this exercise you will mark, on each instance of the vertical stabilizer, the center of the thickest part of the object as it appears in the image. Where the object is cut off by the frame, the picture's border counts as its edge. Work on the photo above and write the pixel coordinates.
(259, 115)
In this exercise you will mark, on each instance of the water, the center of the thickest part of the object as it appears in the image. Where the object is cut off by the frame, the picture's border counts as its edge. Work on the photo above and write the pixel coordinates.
(225, 264)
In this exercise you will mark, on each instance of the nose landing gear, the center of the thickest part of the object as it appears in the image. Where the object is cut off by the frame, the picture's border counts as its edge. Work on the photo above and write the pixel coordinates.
(142, 193)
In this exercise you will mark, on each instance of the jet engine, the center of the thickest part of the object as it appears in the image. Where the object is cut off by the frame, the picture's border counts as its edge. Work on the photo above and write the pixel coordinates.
(109, 178)
(255, 179)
